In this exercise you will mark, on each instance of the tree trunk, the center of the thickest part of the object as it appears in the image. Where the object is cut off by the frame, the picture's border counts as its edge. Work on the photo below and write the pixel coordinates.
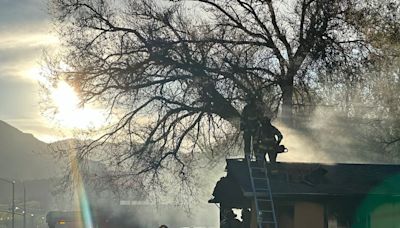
(287, 102)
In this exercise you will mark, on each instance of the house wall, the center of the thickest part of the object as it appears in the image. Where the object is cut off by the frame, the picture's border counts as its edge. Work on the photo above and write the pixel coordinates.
(333, 213)
(308, 215)
(298, 215)
(286, 216)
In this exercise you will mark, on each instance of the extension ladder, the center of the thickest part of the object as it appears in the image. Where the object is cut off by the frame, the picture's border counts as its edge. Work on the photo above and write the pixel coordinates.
(264, 204)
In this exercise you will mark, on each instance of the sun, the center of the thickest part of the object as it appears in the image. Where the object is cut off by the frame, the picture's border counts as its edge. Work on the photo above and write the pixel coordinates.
(69, 113)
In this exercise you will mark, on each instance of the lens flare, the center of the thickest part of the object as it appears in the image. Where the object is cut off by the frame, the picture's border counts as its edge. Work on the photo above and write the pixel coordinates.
(381, 206)
(86, 214)
(82, 201)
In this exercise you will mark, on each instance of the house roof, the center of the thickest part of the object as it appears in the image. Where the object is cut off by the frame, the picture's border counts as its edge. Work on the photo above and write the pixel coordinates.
(321, 179)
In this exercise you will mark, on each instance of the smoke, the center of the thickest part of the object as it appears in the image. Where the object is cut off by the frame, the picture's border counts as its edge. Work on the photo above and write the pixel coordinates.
(176, 204)
(328, 136)
(300, 147)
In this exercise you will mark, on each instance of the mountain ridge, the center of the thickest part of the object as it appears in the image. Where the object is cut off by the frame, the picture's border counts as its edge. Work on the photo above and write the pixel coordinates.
(24, 157)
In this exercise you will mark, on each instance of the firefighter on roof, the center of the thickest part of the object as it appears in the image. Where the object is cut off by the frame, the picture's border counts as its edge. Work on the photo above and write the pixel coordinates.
(249, 124)
(267, 140)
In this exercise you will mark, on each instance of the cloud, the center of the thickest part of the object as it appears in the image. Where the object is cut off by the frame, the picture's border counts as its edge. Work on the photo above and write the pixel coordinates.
(27, 40)
(14, 62)
(25, 30)
(23, 15)
(38, 127)
(18, 99)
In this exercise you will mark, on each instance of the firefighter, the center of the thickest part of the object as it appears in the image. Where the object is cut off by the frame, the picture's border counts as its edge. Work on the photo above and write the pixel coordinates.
(267, 141)
(249, 124)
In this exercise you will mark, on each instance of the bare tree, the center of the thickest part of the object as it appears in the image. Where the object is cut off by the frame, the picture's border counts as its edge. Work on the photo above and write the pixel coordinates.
(383, 81)
(176, 74)
(368, 106)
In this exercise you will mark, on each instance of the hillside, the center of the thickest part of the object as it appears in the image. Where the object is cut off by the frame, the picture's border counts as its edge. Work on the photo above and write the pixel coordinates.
(23, 157)
(30, 162)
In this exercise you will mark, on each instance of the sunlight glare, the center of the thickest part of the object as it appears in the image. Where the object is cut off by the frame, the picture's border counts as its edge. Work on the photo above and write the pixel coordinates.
(35, 73)
(70, 114)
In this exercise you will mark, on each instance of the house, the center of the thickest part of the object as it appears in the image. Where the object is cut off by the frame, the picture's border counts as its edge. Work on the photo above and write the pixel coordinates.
(312, 195)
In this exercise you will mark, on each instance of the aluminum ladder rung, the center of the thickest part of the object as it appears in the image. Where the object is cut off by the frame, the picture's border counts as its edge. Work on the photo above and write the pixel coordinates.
(269, 222)
(264, 200)
(259, 178)
(258, 168)
(267, 211)
(269, 203)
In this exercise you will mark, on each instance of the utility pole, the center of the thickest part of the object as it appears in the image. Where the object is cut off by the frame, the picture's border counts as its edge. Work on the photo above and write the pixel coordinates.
(13, 204)
(13, 199)
(24, 207)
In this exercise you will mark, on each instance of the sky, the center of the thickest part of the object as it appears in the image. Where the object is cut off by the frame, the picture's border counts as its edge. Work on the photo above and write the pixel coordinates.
(25, 32)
